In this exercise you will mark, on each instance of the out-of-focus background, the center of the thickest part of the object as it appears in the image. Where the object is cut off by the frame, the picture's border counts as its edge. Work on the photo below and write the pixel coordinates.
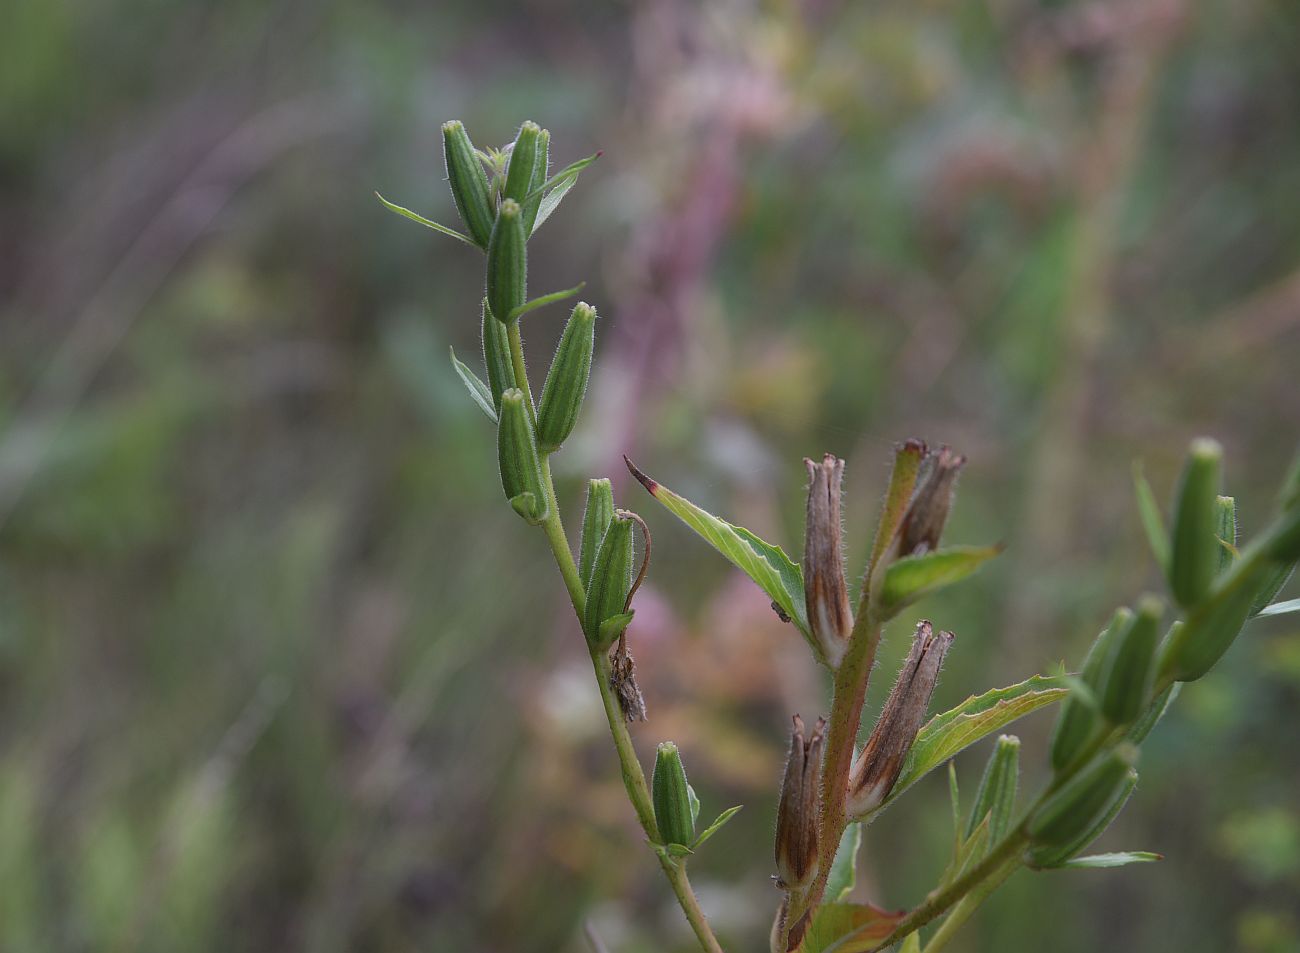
(280, 670)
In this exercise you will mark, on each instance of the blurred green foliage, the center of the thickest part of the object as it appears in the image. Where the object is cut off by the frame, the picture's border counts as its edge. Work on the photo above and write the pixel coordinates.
(277, 668)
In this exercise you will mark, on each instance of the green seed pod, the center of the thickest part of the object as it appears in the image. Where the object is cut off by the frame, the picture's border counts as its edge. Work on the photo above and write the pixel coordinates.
(523, 162)
(521, 469)
(1083, 800)
(541, 171)
(469, 184)
(996, 797)
(1049, 856)
(611, 576)
(595, 521)
(507, 264)
(496, 356)
(1226, 531)
(1194, 549)
(566, 381)
(1078, 722)
(1193, 648)
(1124, 682)
(672, 798)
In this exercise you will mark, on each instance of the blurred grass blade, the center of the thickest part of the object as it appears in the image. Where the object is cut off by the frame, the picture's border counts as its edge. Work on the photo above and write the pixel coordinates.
(1273, 583)
(416, 217)
(477, 389)
(1119, 859)
(908, 579)
(1153, 524)
(1280, 608)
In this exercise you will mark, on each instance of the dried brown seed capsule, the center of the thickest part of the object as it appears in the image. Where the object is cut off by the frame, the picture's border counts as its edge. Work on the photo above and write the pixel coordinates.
(881, 760)
(926, 514)
(825, 590)
(796, 817)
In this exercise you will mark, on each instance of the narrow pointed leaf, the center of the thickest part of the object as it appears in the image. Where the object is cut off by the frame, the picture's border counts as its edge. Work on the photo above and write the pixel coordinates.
(911, 578)
(416, 217)
(844, 869)
(1153, 524)
(477, 389)
(980, 715)
(1118, 859)
(764, 563)
(544, 300)
(552, 200)
(716, 826)
(1280, 608)
(569, 172)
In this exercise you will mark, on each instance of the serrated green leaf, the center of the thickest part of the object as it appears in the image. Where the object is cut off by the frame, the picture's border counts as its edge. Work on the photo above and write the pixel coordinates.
(912, 577)
(764, 563)
(1119, 859)
(848, 928)
(544, 300)
(716, 826)
(477, 389)
(416, 217)
(1153, 524)
(844, 869)
(949, 732)
(1280, 608)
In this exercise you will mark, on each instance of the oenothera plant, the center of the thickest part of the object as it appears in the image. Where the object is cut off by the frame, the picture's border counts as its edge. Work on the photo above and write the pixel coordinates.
(832, 788)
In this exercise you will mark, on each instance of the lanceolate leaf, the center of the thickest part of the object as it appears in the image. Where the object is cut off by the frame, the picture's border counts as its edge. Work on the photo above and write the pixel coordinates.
(1153, 524)
(713, 828)
(416, 217)
(948, 733)
(1280, 608)
(552, 200)
(911, 578)
(544, 300)
(844, 869)
(764, 563)
(1113, 860)
(849, 928)
(477, 389)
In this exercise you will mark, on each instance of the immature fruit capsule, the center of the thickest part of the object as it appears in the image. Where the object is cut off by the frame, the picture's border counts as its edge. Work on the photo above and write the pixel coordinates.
(1077, 722)
(507, 264)
(796, 814)
(469, 184)
(1083, 800)
(596, 518)
(1124, 681)
(566, 381)
(996, 797)
(521, 469)
(523, 162)
(496, 356)
(611, 576)
(1194, 549)
(671, 796)
(541, 169)
(1046, 855)
(1193, 648)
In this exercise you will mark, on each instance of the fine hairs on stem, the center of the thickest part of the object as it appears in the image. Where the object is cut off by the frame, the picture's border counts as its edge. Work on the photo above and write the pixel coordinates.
(832, 789)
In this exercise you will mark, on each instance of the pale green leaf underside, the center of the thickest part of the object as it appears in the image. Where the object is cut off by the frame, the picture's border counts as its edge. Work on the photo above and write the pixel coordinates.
(946, 734)
(1119, 859)
(1280, 608)
(908, 579)
(1153, 524)
(844, 869)
(416, 217)
(552, 200)
(477, 389)
(764, 563)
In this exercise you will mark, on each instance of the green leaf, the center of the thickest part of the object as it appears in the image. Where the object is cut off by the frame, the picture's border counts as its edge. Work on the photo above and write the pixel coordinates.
(844, 868)
(948, 733)
(678, 850)
(695, 803)
(912, 577)
(912, 944)
(764, 563)
(1120, 859)
(1153, 524)
(552, 200)
(477, 389)
(415, 217)
(612, 628)
(568, 174)
(848, 928)
(544, 300)
(954, 798)
(713, 828)
(969, 851)
(1280, 608)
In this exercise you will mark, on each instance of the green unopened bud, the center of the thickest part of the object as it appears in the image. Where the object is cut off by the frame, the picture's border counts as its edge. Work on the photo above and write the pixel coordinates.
(595, 521)
(1226, 531)
(1193, 648)
(1046, 855)
(1194, 548)
(1124, 681)
(996, 797)
(541, 171)
(521, 468)
(672, 797)
(523, 162)
(566, 381)
(496, 356)
(507, 264)
(1083, 800)
(469, 184)
(1077, 722)
(611, 576)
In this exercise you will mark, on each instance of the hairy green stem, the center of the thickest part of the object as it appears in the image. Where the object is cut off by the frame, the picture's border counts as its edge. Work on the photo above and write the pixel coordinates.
(968, 905)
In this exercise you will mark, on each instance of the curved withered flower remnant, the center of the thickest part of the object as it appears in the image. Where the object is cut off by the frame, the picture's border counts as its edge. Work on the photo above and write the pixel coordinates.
(796, 817)
(825, 590)
(926, 514)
